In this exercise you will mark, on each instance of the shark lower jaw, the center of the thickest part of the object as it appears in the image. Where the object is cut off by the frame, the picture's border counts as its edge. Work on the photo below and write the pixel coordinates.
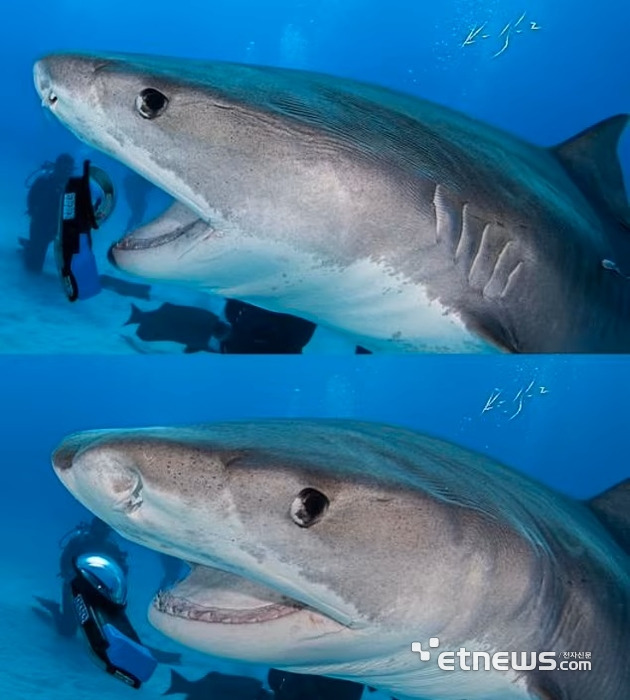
(216, 597)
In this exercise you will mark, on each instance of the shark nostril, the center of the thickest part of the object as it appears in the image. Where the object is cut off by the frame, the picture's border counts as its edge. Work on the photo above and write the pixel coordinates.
(63, 456)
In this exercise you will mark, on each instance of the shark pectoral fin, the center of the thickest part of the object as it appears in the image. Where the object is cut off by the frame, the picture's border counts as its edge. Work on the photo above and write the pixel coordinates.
(591, 160)
(612, 509)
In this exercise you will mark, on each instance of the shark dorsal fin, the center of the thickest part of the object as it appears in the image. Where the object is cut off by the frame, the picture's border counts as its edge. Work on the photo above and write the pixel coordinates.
(591, 160)
(612, 509)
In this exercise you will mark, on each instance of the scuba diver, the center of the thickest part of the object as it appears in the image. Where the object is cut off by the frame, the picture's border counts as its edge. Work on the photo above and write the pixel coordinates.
(94, 569)
(66, 209)
(99, 596)
(88, 201)
(84, 538)
(43, 206)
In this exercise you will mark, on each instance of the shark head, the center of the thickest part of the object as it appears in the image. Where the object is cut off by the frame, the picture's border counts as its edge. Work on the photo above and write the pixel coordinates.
(257, 189)
(190, 137)
(320, 546)
(271, 580)
(292, 189)
(329, 546)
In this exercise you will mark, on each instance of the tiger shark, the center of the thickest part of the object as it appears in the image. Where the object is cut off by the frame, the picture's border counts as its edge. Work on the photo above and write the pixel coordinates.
(401, 223)
(332, 546)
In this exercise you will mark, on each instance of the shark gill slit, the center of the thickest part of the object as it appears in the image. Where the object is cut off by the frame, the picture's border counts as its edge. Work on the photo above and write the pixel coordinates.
(442, 219)
(448, 219)
(469, 238)
(494, 265)
(507, 264)
(511, 277)
(484, 247)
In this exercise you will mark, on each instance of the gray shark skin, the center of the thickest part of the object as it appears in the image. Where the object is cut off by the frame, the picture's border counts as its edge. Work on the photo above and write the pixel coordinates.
(328, 546)
(407, 226)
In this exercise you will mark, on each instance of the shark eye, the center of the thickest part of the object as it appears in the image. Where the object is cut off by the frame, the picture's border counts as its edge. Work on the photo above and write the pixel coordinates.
(151, 103)
(309, 506)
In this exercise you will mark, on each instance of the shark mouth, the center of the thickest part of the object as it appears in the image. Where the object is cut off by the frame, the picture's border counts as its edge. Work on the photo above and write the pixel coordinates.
(135, 242)
(182, 607)
(217, 597)
(178, 221)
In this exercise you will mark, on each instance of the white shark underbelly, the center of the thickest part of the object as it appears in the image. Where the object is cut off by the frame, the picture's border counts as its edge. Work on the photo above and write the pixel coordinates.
(366, 299)
(379, 308)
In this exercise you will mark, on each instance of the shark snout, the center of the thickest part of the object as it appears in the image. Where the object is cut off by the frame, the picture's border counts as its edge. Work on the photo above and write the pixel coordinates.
(64, 76)
(43, 82)
(63, 456)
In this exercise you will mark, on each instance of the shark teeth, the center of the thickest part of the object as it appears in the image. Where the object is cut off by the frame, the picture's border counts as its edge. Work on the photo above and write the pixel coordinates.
(177, 606)
(136, 243)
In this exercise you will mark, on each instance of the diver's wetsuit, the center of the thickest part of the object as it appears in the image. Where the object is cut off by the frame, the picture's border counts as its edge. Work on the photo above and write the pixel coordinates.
(44, 209)
(43, 205)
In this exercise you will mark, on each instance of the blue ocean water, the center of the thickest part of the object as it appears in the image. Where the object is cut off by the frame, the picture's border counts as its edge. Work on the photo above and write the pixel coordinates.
(561, 420)
(547, 85)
